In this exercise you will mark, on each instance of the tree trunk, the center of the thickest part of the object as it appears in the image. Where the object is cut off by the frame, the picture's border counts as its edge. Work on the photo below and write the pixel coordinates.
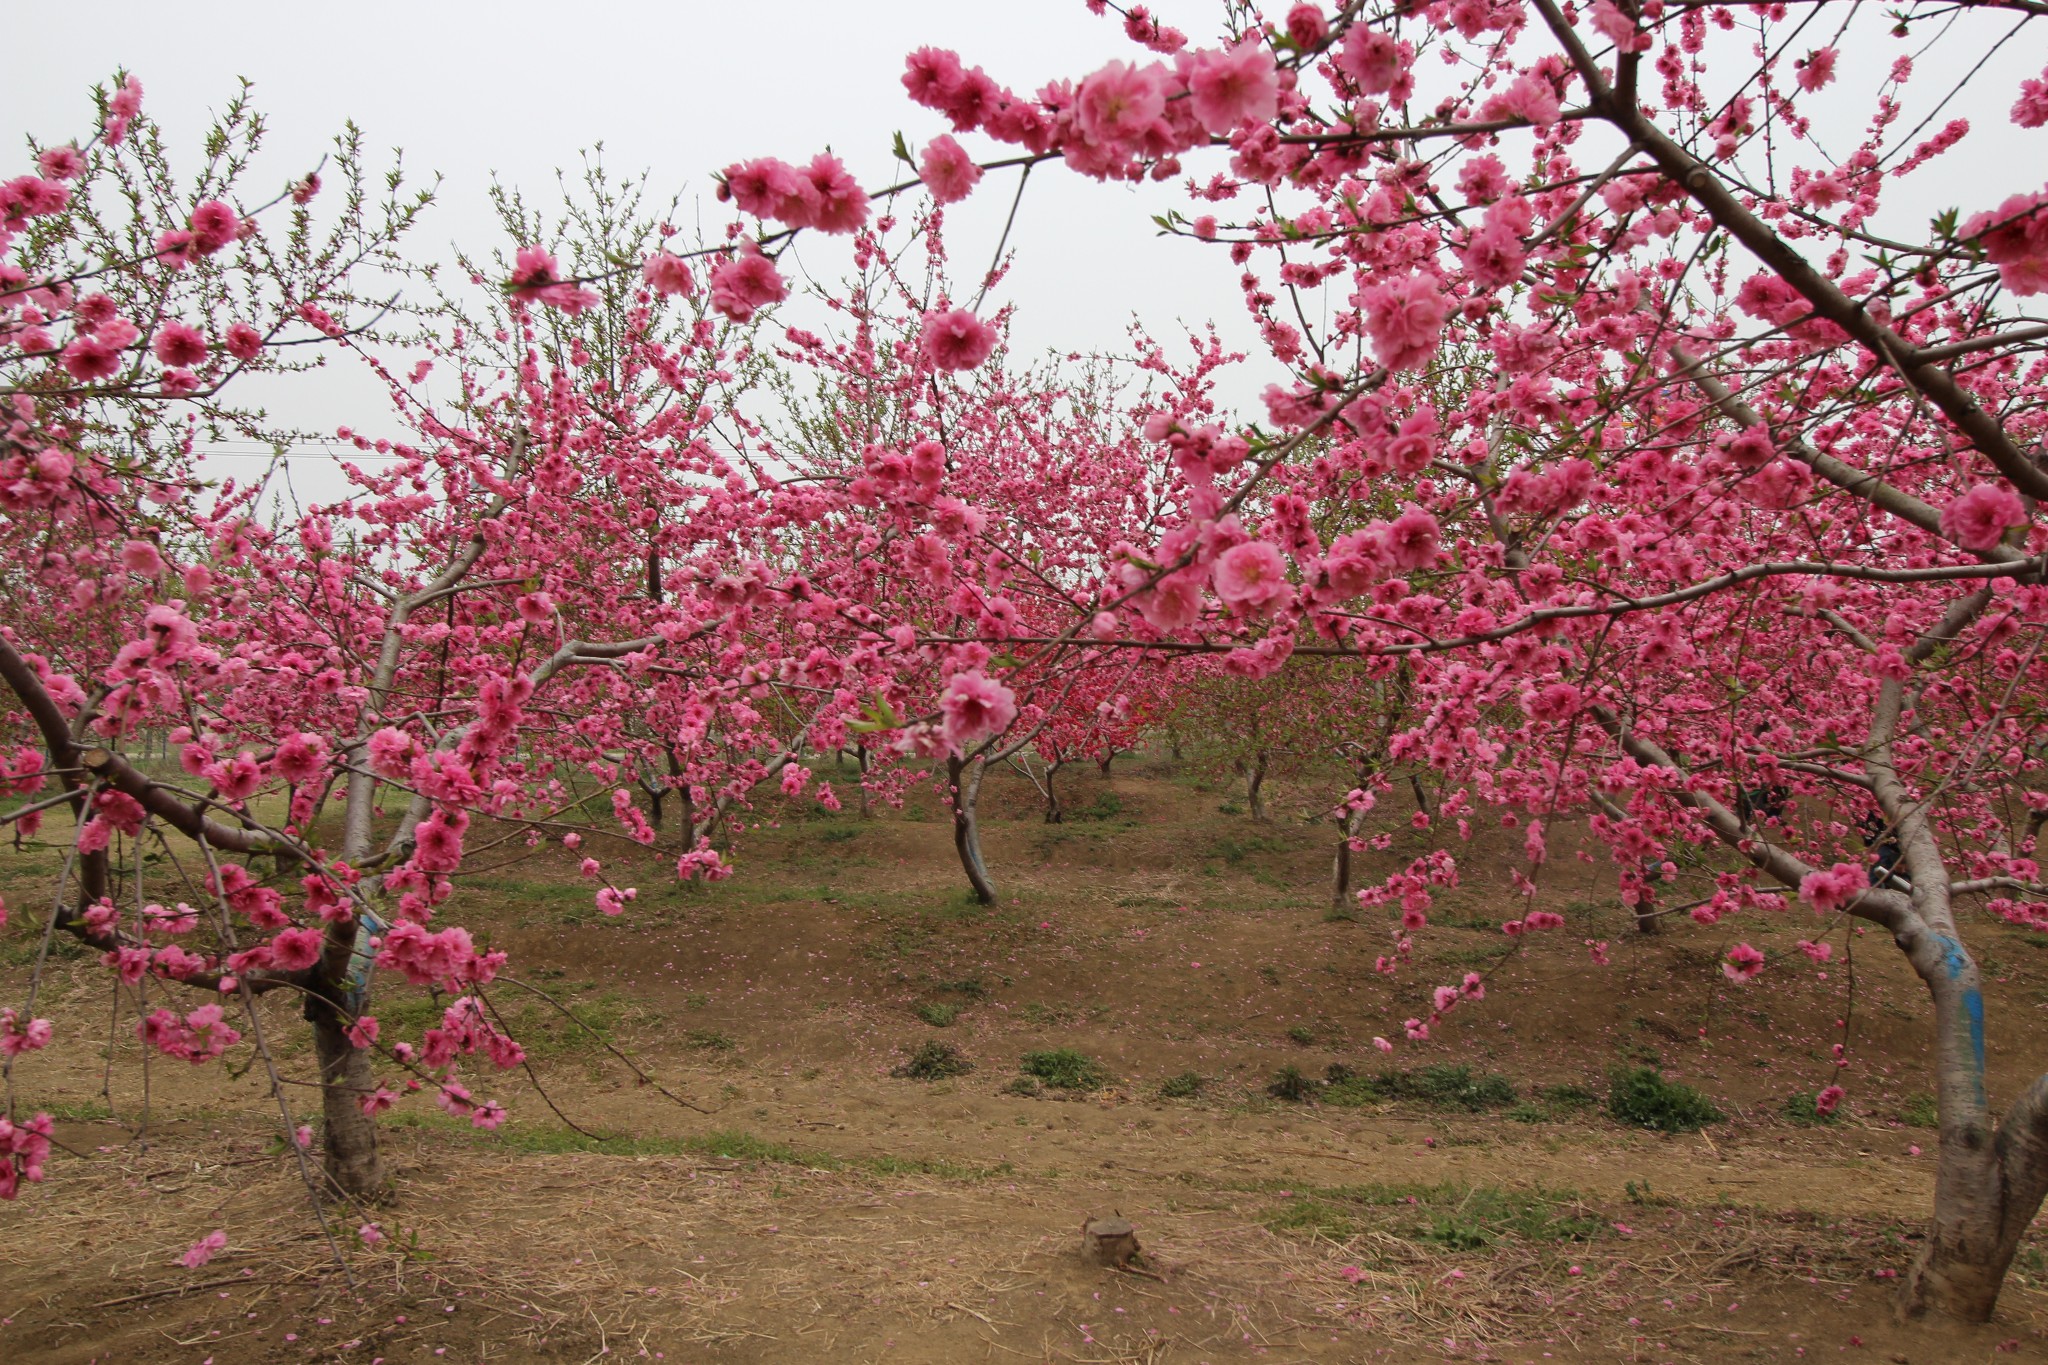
(1053, 814)
(963, 786)
(1987, 1187)
(862, 751)
(1340, 878)
(1421, 796)
(1255, 780)
(350, 1136)
(1102, 764)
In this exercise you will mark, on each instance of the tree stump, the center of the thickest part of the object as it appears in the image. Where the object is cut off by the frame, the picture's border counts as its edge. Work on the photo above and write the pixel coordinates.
(1108, 1241)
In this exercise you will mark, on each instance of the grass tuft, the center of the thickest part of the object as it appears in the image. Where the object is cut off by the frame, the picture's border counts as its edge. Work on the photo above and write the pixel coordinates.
(1639, 1096)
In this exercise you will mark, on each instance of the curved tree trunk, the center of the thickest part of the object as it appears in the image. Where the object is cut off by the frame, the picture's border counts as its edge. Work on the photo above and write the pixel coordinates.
(1255, 779)
(1053, 814)
(963, 787)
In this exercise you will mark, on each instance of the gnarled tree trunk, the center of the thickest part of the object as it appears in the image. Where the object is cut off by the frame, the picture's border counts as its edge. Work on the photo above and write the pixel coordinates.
(1254, 783)
(963, 789)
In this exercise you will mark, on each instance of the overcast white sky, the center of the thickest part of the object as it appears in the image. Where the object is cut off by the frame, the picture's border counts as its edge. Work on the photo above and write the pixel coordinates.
(685, 87)
(677, 89)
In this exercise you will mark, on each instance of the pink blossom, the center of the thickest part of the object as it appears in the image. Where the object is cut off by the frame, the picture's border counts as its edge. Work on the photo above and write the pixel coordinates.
(1252, 578)
(947, 170)
(300, 758)
(1382, 1044)
(214, 225)
(1828, 1100)
(1412, 539)
(535, 608)
(294, 950)
(1815, 69)
(1529, 97)
(1819, 952)
(1618, 28)
(204, 1250)
(745, 284)
(1118, 103)
(61, 163)
(1742, 963)
(1405, 318)
(92, 358)
(1371, 58)
(974, 707)
(363, 1032)
(2030, 110)
(391, 751)
(1978, 519)
(1306, 26)
(667, 274)
(842, 205)
(1233, 87)
(2015, 239)
(1835, 888)
(243, 342)
(17, 1038)
(955, 339)
(179, 343)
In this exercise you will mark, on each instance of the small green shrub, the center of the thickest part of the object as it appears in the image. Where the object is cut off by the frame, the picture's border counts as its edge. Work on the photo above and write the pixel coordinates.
(934, 1061)
(938, 1015)
(973, 987)
(1292, 1086)
(1642, 1098)
(1552, 1103)
(1303, 1034)
(1801, 1108)
(1022, 1085)
(1441, 1086)
(1185, 1086)
(1920, 1111)
(1065, 1069)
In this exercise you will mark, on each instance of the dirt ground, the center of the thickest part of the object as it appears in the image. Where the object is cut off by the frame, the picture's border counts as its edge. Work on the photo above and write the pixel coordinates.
(781, 1196)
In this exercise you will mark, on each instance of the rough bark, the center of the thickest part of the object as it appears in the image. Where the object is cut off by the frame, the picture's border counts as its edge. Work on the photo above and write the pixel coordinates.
(1254, 782)
(349, 1139)
(963, 787)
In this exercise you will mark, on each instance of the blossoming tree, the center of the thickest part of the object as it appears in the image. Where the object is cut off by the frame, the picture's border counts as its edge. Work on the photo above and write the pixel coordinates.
(1704, 476)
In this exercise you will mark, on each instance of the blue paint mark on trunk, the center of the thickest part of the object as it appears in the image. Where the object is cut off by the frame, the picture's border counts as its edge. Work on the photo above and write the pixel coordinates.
(1973, 1007)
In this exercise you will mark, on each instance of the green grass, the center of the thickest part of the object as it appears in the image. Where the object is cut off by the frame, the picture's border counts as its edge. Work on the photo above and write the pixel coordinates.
(1920, 1111)
(1185, 1086)
(728, 1144)
(1554, 1103)
(938, 1014)
(1441, 1086)
(1460, 1217)
(1065, 1069)
(1802, 1108)
(1642, 1098)
(1294, 1087)
(710, 1040)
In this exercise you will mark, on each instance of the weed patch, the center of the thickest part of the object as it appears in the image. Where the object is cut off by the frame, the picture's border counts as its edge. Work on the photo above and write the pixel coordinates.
(1642, 1098)
(934, 1061)
(1065, 1069)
